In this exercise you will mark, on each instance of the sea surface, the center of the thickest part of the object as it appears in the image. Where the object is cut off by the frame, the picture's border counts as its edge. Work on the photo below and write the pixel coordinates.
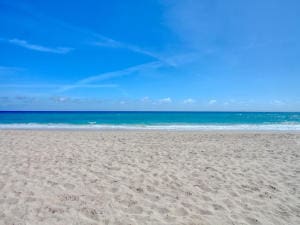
(151, 120)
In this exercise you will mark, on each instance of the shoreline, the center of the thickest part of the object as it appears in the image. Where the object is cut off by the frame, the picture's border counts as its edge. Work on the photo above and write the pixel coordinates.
(172, 127)
(155, 131)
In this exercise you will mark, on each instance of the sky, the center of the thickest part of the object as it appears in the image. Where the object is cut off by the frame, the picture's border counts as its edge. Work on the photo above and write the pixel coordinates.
(194, 55)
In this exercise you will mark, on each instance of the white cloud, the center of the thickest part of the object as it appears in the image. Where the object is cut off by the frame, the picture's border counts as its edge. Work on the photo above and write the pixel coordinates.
(64, 99)
(113, 74)
(55, 86)
(6, 69)
(25, 44)
(189, 101)
(60, 99)
(104, 41)
(277, 102)
(108, 42)
(165, 100)
(212, 101)
(145, 99)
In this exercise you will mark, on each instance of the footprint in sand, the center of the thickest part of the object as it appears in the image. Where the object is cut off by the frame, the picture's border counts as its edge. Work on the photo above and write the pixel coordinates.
(2, 215)
(153, 198)
(204, 212)
(69, 186)
(68, 197)
(12, 201)
(206, 198)
(135, 210)
(170, 219)
(114, 189)
(54, 210)
(229, 203)
(2, 184)
(252, 221)
(181, 212)
(13, 221)
(218, 207)
(163, 210)
(18, 212)
(30, 199)
(90, 213)
(150, 188)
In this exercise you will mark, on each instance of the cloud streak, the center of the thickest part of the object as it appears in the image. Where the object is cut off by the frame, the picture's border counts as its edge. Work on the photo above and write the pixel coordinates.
(179, 60)
(165, 100)
(104, 41)
(107, 42)
(8, 70)
(39, 48)
(212, 101)
(189, 101)
(101, 40)
(114, 74)
(55, 86)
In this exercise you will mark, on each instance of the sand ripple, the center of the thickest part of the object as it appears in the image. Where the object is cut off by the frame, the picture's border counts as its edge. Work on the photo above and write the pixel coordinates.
(89, 177)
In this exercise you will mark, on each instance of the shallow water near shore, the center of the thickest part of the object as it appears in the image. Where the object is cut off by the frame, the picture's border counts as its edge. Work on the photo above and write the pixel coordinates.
(152, 120)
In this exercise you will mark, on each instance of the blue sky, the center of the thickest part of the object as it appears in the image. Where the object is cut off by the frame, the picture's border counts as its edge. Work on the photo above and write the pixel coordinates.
(150, 55)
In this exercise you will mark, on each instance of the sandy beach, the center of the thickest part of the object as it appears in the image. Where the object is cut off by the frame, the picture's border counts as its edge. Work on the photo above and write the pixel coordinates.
(149, 177)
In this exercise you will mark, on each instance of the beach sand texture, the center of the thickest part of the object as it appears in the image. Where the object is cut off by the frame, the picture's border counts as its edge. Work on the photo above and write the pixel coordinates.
(139, 177)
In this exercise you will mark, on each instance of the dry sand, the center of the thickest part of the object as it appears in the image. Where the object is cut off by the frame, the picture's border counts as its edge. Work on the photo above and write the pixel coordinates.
(136, 177)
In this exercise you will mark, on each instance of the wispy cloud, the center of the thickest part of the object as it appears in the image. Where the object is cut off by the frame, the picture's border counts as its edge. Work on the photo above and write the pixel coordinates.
(104, 41)
(114, 74)
(99, 40)
(107, 42)
(39, 48)
(277, 102)
(189, 101)
(165, 100)
(61, 99)
(212, 101)
(178, 60)
(145, 99)
(6, 69)
(55, 86)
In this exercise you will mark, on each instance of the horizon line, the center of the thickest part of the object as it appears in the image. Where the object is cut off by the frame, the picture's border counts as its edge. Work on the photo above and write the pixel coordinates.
(146, 111)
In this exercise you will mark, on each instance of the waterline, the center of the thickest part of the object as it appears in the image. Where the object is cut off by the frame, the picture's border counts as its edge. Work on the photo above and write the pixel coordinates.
(249, 127)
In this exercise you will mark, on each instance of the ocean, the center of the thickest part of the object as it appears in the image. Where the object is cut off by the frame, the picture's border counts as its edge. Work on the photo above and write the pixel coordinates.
(151, 120)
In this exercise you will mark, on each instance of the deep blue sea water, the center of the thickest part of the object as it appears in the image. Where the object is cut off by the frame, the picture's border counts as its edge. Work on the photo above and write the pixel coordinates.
(152, 120)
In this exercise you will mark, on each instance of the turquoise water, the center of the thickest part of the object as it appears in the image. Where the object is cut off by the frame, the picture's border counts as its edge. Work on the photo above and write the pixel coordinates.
(152, 120)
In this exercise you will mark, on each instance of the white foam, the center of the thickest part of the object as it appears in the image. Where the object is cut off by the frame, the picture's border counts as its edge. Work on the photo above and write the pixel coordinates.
(266, 127)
